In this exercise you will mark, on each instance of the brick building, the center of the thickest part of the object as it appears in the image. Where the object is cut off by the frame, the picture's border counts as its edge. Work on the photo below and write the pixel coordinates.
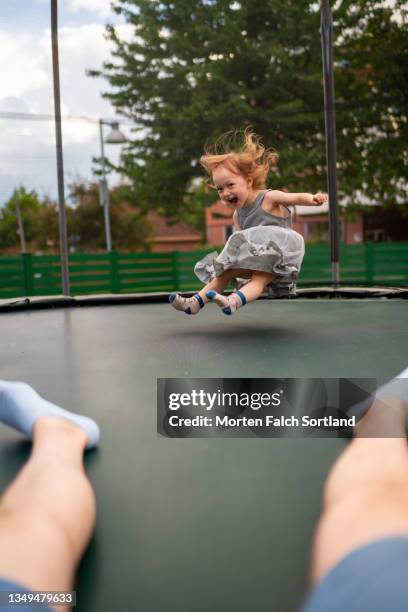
(177, 237)
(377, 224)
(312, 222)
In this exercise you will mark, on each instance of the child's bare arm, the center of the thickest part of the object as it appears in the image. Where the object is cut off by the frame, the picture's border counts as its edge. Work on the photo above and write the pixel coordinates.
(276, 198)
(235, 220)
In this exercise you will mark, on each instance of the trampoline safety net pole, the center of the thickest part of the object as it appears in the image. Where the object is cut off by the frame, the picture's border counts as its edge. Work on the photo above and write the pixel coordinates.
(326, 30)
(58, 136)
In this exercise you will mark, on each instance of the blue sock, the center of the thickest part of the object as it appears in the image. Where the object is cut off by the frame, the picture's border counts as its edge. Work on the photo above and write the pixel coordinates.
(21, 406)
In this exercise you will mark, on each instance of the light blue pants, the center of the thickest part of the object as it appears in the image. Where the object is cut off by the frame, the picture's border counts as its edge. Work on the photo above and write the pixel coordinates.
(373, 578)
(8, 586)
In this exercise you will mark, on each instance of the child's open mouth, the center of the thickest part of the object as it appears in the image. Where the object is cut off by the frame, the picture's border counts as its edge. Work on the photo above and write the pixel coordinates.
(233, 201)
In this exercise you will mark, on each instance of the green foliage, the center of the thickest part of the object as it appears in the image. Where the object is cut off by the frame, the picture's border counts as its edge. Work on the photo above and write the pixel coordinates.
(194, 70)
(47, 235)
(85, 221)
(86, 229)
(193, 206)
(30, 206)
(371, 83)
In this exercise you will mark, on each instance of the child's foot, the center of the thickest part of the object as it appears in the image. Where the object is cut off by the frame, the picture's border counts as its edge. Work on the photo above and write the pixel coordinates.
(228, 304)
(188, 305)
(21, 406)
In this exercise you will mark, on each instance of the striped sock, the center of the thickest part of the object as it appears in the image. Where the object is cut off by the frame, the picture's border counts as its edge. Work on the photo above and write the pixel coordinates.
(190, 306)
(228, 304)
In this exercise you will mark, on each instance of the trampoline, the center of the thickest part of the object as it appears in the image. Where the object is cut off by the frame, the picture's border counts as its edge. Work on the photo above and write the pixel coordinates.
(194, 524)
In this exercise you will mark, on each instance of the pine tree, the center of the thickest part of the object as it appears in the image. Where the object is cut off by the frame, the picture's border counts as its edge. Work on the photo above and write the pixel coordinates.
(195, 70)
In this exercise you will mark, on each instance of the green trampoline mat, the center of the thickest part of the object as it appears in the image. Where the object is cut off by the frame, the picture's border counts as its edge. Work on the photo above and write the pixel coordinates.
(195, 524)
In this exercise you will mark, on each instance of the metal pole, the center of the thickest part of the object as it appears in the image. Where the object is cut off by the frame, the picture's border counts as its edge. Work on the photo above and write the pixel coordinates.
(104, 193)
(58, 136)
(20, 227)
(326, 29)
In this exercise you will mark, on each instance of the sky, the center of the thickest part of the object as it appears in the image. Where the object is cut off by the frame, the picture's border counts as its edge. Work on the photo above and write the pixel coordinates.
(27, 148)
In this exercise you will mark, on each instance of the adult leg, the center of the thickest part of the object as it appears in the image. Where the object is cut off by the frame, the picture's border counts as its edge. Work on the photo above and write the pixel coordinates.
(48, 512)
(366, 493)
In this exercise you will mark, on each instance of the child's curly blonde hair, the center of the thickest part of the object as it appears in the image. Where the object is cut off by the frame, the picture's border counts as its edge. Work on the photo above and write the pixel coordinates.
(250, 158)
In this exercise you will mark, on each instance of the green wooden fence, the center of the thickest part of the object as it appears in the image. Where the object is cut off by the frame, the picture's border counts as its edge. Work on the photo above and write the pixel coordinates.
(34, 275)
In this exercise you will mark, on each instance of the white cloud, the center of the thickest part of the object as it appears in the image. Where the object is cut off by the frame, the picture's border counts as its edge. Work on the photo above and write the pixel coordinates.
(27, 149)
(101, 7)
(22, 68)
(80, 48)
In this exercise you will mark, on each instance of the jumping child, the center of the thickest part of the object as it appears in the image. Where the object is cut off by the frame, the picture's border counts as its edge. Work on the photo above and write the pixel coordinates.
(263, 250)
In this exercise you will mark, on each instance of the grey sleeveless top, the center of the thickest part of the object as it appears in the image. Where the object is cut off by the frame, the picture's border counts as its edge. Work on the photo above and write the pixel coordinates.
(255, 215)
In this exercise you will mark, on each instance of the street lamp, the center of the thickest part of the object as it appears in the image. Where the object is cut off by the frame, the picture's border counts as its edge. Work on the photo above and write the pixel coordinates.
(115, 136)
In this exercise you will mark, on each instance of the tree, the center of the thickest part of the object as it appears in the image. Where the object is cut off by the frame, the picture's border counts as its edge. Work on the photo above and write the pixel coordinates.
(86, 230)
(29, 204)
(371, 79)
(196, 70)
(47, 235)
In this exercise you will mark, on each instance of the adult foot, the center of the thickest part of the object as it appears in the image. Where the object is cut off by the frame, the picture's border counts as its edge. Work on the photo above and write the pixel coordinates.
(21, 406)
